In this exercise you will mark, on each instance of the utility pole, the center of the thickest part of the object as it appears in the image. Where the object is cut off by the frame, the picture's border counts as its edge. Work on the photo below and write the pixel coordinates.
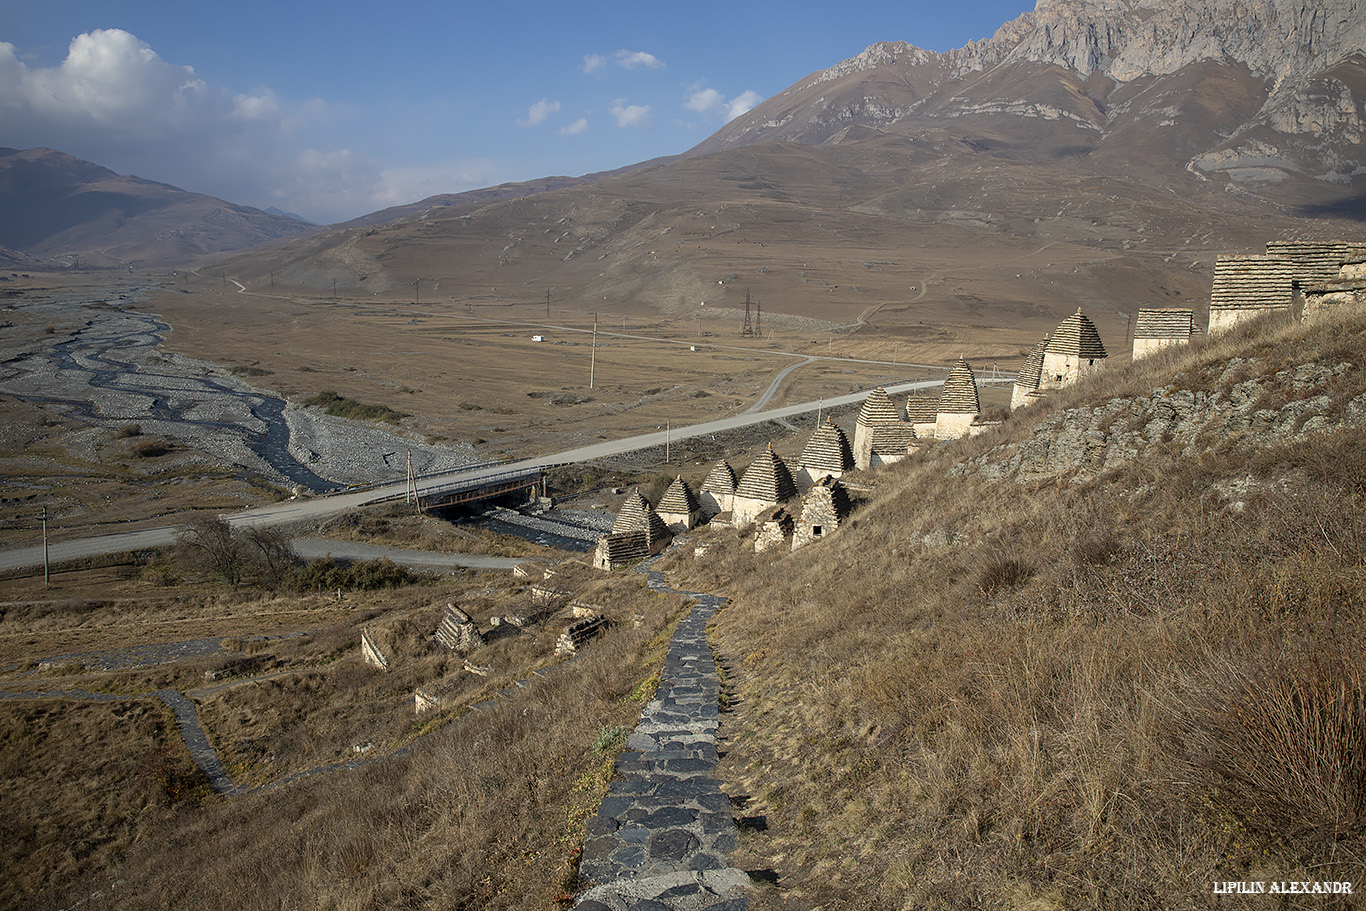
(547, 306)
(593, 354)
(46, 572)
(666, 442)
(417, 290)
(411, 494)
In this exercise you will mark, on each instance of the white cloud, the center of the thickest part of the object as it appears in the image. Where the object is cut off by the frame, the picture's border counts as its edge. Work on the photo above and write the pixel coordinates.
(706, 101)
(401, 185)
(539, 112)
(593, 63)
(262, 106)
(631, 115)
(637, 60)
(115, 102)
(742, 103)
(712, 103)
(575, 128)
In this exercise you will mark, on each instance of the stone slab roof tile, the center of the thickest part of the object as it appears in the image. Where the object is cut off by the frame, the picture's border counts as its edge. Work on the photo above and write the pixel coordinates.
(828, 449)
(636, 514)
(1032, 370)
(1164, 323)
(721, 479)
(768, 479)
(960, 391)
(1252, 283)
(893, 439)
(922, 408)
(878, 409)
(1076, 336)
(678, 499)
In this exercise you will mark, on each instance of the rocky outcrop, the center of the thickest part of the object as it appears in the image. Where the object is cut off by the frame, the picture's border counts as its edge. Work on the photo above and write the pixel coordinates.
(1130, 40)
(578, 633)
(1251, 413)
(1292, 77)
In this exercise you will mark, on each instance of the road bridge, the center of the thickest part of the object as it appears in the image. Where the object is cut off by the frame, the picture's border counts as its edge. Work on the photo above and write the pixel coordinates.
(316, 508)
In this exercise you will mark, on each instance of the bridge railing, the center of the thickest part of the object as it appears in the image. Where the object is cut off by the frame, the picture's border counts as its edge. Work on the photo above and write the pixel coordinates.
(466, 484)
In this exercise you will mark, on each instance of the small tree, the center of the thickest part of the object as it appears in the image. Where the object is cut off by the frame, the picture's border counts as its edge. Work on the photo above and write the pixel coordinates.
(209, 545)
(271, 552)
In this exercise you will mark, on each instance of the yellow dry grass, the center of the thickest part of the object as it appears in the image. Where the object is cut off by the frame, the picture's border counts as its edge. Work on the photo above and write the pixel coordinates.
(1103, 694)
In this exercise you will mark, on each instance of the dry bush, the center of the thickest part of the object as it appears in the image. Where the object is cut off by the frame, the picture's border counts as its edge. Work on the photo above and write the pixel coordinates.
(1001, 574)
(1281, 740)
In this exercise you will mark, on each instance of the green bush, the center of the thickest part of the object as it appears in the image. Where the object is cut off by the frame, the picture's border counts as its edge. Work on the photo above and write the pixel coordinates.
(327, 575)
(340, 406)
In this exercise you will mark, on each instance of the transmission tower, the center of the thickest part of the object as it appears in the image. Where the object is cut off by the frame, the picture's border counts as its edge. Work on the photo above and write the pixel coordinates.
(759, 317)
(748, 330)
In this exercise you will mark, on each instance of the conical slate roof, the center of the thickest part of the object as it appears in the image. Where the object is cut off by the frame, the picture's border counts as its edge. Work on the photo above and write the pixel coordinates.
(636, 515)
(893, 439)
(921, 409)
(1028, 377)
(1076, 336)
(721, 480)
(678, 499)
(960, 391)
(1164, 323)
(878, 409)
(767, 479)
(828, 449)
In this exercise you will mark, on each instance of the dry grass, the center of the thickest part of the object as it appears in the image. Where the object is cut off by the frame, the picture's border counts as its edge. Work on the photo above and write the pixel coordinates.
(1106, 694)
(484, 810)
(126, 762)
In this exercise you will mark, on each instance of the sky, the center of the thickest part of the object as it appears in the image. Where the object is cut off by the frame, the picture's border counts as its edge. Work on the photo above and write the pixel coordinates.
(334, 110)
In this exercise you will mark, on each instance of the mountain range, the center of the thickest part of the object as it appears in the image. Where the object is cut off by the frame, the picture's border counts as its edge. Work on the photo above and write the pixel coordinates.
(1094, 152)
(60, 211)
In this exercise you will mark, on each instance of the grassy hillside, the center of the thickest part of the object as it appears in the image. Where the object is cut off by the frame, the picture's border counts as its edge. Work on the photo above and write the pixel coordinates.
(1108, 683)
(485, 809)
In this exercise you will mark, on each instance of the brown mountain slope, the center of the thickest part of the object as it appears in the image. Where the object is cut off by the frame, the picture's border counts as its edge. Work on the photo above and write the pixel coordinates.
(1091, 153)
(65, 211)
(933, 230)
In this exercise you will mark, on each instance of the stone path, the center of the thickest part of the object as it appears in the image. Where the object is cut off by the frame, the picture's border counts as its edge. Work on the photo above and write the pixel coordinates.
(662, 834)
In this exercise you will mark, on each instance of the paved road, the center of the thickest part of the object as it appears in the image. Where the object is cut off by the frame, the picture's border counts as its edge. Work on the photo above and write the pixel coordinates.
(324, 507)
(773, 386)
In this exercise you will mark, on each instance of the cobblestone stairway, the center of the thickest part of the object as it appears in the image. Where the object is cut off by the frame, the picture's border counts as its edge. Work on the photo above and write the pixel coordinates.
(662, 834)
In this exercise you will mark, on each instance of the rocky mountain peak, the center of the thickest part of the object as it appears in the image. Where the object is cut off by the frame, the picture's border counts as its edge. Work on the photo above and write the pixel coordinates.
(1130, 39)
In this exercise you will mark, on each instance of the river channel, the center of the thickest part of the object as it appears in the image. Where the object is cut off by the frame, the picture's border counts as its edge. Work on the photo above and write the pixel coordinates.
(102, 364)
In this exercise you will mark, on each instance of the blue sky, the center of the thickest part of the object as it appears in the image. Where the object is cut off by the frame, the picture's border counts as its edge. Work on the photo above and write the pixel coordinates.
(335, 110)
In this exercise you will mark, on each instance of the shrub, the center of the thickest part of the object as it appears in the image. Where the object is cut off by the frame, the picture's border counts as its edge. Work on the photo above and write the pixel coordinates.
(1001, 574)
(151, 449)
(342, 407)
(326, 575)
(209, 545)
(1282, 741)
